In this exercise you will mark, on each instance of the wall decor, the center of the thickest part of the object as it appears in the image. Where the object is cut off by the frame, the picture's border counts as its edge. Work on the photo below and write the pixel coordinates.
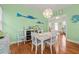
(39, 22)
(28, 16)
(75, 18)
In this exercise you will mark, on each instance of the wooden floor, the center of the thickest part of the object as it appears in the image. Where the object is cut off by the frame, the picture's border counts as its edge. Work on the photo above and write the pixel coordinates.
(72, 48)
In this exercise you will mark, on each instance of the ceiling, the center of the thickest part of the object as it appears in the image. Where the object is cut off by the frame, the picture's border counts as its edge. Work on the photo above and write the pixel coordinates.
(44, 6)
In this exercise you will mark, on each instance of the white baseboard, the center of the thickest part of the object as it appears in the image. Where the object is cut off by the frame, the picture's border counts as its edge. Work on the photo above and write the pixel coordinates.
(14, 42)
(73, 41)
(17, 42)
(67, 40)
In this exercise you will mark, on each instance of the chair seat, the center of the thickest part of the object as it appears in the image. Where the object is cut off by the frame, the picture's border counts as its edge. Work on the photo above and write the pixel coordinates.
(37, 43)
(49, 41)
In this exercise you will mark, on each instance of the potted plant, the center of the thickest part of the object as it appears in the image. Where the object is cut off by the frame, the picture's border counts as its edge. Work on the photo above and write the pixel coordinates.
(1, 35)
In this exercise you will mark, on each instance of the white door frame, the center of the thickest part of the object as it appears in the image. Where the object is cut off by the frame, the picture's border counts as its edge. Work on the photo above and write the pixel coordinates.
(0, 18)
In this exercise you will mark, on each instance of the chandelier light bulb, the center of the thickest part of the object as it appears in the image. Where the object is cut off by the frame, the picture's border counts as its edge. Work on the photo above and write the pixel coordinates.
(47, 13)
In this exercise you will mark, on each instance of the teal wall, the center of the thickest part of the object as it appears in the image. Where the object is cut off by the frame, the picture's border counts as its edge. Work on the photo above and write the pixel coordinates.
(12, 23)
(72, 28)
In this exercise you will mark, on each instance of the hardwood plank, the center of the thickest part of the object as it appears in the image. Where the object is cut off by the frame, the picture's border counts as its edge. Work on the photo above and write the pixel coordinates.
(72, 48)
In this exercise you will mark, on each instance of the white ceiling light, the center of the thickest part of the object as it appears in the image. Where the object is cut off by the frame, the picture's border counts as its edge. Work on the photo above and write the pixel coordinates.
(47, 13)
(57, 17)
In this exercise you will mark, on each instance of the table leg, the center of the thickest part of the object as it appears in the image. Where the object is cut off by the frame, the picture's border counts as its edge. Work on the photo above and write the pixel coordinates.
(57, 44)
(36, 49)
(41, 47)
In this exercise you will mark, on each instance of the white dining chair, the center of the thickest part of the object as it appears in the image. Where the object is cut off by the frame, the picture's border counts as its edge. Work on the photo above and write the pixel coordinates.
(20, 37)
(52, 40)
(35, 41)
(54, 32)
(24, 33)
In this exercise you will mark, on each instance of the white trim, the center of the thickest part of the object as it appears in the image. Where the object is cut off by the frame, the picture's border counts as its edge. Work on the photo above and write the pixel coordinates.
(15, 42)
(73, 41)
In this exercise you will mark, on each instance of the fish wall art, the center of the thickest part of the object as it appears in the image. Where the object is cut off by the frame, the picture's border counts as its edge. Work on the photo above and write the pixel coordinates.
(28, 16)
(18, 14)
(75, 18)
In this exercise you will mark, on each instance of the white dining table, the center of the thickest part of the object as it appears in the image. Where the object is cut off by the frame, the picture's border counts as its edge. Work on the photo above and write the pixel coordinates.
(60, 42)
(42, 37)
